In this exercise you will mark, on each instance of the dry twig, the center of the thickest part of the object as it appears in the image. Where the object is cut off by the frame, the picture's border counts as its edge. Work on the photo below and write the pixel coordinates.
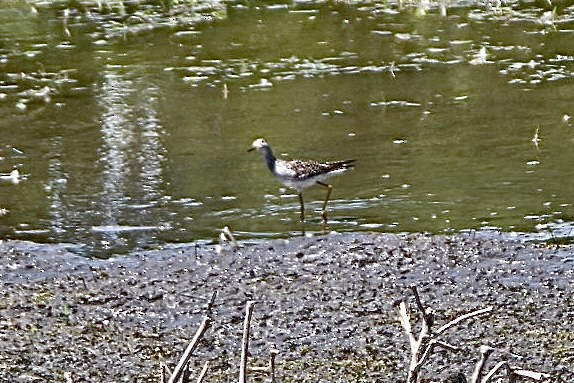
(270, 368)
(179, 369)
(165, 373)
(423, 346)
(511, 372)
(203, 372)
(245, 344)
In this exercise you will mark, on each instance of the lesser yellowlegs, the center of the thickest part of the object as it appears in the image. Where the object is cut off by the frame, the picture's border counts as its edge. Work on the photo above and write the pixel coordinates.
(300, 174)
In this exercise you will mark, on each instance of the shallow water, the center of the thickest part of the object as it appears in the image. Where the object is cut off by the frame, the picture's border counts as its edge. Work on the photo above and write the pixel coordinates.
(129, 123)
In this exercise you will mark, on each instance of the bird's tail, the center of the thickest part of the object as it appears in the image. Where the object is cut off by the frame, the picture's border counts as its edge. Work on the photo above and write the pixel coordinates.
(342, 165)
(347, 164)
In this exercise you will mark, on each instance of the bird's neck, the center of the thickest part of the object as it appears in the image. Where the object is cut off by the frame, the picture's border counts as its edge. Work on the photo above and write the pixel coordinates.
(269, 159)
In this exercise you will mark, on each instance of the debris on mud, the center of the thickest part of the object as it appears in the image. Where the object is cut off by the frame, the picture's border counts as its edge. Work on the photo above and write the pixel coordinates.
(325, 303)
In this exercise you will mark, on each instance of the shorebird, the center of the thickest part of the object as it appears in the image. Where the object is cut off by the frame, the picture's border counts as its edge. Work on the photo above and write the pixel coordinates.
(301, 174)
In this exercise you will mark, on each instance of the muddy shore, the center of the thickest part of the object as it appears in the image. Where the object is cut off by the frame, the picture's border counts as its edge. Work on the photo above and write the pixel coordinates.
(326, 303)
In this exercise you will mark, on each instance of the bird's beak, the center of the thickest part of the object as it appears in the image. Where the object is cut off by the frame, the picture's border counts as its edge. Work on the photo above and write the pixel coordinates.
(250, 150)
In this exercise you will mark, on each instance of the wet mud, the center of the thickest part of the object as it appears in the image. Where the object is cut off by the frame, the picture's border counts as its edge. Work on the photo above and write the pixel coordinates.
(325, 303)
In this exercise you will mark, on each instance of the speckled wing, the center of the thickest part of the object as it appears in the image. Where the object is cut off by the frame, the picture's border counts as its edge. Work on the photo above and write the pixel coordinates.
(309, 169)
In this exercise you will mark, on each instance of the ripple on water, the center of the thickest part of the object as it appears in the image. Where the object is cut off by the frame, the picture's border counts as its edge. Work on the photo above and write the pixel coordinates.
(368, 69)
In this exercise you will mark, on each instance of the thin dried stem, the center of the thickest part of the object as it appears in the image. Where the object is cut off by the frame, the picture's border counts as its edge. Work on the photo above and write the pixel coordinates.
(245, 344)
(270, 368)
(406, 323)
(485, 352)
(423, 346)
(430, 348)
(513, 372)
(203, 372)
(535, 375)
(272, 354)
(497, 367)
(211, 301)
(427, 313)
(185, 377)
(165, 373)
(177, 373)
(463, 317)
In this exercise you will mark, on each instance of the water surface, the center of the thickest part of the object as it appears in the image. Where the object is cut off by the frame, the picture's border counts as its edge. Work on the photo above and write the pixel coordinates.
(129, 125)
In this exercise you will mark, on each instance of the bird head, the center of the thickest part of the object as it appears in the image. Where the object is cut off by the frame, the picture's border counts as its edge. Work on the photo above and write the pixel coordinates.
(259, 144)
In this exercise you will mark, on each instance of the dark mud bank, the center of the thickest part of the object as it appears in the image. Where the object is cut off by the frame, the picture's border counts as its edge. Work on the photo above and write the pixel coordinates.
(325, 303)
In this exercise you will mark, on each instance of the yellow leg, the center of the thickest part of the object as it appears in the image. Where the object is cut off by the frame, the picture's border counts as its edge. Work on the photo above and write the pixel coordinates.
(329, 189)
(302, 207)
